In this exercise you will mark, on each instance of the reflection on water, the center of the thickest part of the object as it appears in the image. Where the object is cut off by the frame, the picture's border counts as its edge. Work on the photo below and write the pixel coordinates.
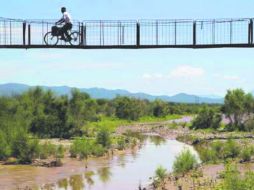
(63, 184)
(77, 182)
(89, 178)
(127, 171)
(104, 174)
(124, 171)
(157, 140)
(121, 160)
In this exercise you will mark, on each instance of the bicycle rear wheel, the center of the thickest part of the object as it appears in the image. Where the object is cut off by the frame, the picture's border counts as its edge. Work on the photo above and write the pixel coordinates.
(50, 40)
(75, 39)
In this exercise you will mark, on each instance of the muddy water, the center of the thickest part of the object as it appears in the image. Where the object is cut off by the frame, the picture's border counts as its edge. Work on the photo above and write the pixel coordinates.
(126, 171)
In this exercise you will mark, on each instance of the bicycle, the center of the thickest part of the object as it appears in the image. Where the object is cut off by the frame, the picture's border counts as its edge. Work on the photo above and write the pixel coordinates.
(54, 36)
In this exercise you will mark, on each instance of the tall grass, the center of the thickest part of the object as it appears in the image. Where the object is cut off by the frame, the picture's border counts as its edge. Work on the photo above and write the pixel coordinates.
(184, 162)
(219, 151)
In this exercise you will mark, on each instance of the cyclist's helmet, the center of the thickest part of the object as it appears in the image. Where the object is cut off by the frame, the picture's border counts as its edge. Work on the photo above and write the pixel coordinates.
(63, 9)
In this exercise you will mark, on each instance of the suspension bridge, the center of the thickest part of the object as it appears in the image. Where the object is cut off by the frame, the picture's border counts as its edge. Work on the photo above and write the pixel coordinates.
(131, 34)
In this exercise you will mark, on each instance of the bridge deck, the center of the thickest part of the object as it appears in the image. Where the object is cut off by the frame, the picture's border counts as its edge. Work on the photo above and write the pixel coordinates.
(219, 33)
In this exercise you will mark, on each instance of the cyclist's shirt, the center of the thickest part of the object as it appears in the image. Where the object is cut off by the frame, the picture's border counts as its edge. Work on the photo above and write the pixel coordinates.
(67, 18)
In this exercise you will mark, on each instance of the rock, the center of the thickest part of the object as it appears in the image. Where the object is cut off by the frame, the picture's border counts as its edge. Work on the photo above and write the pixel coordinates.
(47, 163)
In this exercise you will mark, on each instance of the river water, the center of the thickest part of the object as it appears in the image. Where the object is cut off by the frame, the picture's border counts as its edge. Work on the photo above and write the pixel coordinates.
(125, 171)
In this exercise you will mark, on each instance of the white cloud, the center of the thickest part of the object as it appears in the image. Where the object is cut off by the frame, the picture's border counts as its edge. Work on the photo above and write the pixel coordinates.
(147, 76)
(231, 77)
(183, 71)
(186, 71)
(153, 76)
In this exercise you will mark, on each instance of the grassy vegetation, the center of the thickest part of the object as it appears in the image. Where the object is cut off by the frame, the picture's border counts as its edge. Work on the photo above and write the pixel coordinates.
(157, 119)
(184, 162)
(233, 180)
(48, 149)
(220, 151)
(160, 176)
(83, 148)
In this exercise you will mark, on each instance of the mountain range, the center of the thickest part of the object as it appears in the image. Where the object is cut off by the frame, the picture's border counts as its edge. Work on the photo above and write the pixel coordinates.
(15, 88)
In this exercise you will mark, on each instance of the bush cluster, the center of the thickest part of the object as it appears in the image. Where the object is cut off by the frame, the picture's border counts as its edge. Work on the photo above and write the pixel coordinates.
(184, 162)
(233, 180)
(83, 148)
(221, 151)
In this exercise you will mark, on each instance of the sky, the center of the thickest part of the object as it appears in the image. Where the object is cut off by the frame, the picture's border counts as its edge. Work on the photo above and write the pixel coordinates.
(153, 71)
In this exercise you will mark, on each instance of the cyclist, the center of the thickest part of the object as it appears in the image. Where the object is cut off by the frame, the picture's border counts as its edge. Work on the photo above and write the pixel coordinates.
(66, 19)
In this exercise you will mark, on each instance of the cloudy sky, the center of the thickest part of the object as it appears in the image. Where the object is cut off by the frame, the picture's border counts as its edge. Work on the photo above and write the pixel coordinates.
(154, 71)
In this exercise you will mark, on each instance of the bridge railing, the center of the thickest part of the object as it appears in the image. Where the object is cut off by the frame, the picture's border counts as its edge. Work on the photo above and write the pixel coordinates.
(132, 33)
(226, 31)
(110, 33)
(11, 32)
(166, 32)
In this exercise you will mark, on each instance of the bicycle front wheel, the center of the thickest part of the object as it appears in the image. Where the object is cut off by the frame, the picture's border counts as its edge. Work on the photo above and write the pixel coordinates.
(75, 39)
(50, 40)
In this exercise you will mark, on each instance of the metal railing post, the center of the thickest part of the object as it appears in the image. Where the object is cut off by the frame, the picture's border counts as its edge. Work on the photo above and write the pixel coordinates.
(10, 33)
(250, 31)
(24, 33)
(175, 32)
(157, 33)
(81, 31)
(138, 35)
(84, 35)
(194, 33)
(29, 34)
(231, 32)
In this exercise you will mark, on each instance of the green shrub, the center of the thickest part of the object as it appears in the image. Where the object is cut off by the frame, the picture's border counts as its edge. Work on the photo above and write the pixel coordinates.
(5, 149)
(60, 151)
(208, 155)
(80, 148)
(231, 179)
(217, 147)
(98, 150)
(207, 118)
(121, 143)
(83, 148)
(47, 149)
(246, 154)
(160, 175)
(25, 149)
(231, 149)
(249, 125)
(249, 180)
(103, 138)
(184, 162)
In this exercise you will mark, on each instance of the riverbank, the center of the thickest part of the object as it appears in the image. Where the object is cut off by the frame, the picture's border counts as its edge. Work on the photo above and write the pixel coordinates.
(209, 174)
(124, 170)
(31, 177)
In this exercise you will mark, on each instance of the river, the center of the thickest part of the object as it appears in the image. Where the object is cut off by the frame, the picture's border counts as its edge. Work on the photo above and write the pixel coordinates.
(123, 171)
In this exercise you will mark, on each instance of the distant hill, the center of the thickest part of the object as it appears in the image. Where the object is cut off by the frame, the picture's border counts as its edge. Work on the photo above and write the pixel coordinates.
(14, 88)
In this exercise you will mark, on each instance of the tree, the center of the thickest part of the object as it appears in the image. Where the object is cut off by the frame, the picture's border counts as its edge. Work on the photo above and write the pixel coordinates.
(207, 118)
(103, 138)
(81, 109)
(237, 107)
(129, 108)
(24, 149)
(160, 108)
